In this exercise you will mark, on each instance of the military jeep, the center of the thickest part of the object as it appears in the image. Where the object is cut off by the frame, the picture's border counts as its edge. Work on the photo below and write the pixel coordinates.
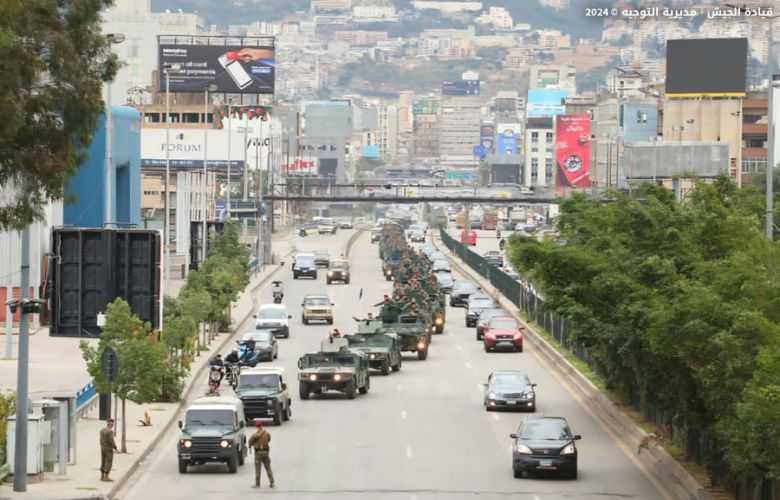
(335, 368)
(213, 430)
(382, 348)
(413, 333)
(264, 394)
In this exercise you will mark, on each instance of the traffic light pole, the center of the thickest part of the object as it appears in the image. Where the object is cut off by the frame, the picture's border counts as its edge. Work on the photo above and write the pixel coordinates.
(22, 388)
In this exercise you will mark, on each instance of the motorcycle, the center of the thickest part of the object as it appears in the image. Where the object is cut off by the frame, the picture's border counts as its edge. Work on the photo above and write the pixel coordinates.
(232, 371)
(246, 354)
(277, 292)
(216, 374)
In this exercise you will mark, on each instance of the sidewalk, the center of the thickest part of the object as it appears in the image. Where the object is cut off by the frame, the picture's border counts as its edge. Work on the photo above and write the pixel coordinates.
(82, 479)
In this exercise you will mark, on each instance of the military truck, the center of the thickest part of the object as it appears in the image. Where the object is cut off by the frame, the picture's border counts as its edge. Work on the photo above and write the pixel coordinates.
(213, 430)
(382, 348)
(335, 368)
(413, 333)
(390, 263)
(264, 394)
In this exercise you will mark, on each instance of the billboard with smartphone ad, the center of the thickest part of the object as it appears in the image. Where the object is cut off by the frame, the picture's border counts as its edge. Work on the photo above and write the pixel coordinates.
(546, 102)
(233, 69)
(572, 150)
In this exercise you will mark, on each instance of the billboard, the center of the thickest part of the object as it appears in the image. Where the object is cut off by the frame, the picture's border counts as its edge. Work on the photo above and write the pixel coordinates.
(706, 67)
(233, 69)
(572, 150)
(546, 102)
(487, 137)
(460, 87)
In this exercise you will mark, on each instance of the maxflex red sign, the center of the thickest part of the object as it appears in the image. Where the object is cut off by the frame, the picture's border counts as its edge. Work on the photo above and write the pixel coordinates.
(572, 150)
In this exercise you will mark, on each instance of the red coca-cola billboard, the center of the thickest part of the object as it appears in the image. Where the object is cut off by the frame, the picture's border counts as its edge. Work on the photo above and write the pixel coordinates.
(572, 150)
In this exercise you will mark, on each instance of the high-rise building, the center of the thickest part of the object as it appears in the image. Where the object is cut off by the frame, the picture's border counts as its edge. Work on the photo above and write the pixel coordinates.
(539, 152)
(459, 128)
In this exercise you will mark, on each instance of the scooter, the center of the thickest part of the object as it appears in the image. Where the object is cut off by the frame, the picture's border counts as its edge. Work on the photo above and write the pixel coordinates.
(216, 374)
(277, 292)
(232, 371)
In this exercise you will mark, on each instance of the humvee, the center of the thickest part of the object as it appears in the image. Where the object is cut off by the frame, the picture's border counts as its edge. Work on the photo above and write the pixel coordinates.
(382, 348)
(412, 331)
(335, 368)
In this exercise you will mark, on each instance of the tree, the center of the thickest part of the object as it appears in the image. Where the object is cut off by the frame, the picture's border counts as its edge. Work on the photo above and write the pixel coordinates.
(54, 63)
(143, 363)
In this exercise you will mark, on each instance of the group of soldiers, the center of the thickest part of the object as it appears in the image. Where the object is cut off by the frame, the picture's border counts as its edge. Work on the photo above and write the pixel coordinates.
(416, 288)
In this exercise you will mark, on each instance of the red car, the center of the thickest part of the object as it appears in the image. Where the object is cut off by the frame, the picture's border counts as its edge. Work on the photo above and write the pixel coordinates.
(501, 332)
(468, 238)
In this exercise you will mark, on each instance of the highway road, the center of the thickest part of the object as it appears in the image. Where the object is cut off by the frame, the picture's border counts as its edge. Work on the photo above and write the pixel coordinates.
(418, 434)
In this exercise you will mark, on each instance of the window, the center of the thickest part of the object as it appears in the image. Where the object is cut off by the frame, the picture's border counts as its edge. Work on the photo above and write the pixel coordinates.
(549, 137)
(548, 168)
(534, 136)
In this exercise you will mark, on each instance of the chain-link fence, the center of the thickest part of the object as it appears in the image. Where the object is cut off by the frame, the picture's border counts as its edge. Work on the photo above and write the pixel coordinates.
(698, 446)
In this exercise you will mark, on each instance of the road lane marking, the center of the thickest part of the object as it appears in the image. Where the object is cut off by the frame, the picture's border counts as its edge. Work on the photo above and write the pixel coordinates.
(403, 414)
(480, 387)
(399, 388)
(409, 452)
(458, 347)
(495, 416)
(468, 365)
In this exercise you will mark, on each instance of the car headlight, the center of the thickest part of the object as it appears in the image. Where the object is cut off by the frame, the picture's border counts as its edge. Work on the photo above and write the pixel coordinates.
(372, 356)
(337, 377)
(439, 321)
(330, 273)
(529, 395)
(186, 443)
(224, 443)
(569, 449)
(492, 395)
(421, 345)
(312, 377)
(522, 449)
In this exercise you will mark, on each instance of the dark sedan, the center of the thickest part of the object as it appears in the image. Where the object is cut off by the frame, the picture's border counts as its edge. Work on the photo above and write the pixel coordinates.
(322, 259)
(486, 316)
(477, 303)
(509, 390)
(461, 291)
(266, 345)
(544, 444)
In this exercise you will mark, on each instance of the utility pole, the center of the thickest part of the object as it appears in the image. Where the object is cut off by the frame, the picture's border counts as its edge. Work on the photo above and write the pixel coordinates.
(166, 227)
(230, 134)
(213, 88)
(22, 372)
(774, 86)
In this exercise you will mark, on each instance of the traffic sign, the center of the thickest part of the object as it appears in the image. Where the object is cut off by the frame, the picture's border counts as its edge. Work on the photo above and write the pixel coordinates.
(479, 151)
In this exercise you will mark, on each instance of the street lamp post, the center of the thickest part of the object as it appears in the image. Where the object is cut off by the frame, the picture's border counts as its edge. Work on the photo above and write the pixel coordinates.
(210, 88)
(166, 228)
(108, 202)
(230, 133)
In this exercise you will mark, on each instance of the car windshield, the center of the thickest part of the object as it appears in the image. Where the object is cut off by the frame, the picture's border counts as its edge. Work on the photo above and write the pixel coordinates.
(203, 417)
(480, 303)
(409, 319)
(259, 336)
(504, 324)
(316, 301)
(259, 381)
(339, 265)
(545, 430)
(304, 261)
(371, 340)
(321, 255)
(441, 264)
(272, 314)
(510, 381)
(487, 314)
(463, 287)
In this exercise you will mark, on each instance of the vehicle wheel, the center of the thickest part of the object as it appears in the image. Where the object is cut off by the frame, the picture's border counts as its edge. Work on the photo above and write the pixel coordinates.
(351, 390)
(295, 276)
(182, 466)
(303, 391)
(232, 464)
(487, 349)
(278, 416)
(241, 457)
(346, 282)
(330, 321)
(440, 329)
(315, 276)
(304, 320)
(363, 389)
(479, 337)
(327, 282)
(287, 413)
(397, 366)
(520, 349)
(386, 367)
(517, 473)
(275, 356)
(573, 475)
(422, 355)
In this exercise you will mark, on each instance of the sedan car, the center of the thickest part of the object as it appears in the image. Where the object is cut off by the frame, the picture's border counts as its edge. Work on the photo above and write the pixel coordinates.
(266, 345)
(544, 444)
(322, 259)
(441, 265)
(503, 332)
(477, 302)
(468, 237)
(345, 224)
(494, 258)
(509, 390)
(445, 281)
(461, 291)
(485, 317)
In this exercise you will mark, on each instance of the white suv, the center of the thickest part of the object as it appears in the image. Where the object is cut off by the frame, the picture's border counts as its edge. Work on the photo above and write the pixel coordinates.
(273, 317)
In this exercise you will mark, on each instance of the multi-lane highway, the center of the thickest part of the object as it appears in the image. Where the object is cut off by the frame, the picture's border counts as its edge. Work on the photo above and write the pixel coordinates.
(418, 434)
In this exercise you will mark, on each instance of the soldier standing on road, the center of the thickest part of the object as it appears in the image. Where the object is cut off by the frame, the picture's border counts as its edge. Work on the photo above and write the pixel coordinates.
(260, 443)
(107, 448)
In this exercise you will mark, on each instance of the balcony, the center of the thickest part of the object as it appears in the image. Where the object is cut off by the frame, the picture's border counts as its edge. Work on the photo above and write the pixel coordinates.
(754, 129)
(754, 153)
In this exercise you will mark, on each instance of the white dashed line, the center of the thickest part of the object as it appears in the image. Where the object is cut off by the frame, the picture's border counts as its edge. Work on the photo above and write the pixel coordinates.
(495, 416)
(403, 414)
(468, 365)
(536, 497)
(458, 347)
(409, 452)
(399, 388)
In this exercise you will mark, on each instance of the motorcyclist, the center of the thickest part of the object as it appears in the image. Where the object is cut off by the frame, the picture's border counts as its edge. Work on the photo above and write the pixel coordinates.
(213, 389)
(501, 244)
(232, 357)
(335, 334)
(216, 365)
(277, 292)
(217, 361)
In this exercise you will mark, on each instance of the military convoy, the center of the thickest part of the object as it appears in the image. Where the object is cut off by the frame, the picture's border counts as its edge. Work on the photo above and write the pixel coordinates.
(263, 392)
(213, 430)
(335, 367)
